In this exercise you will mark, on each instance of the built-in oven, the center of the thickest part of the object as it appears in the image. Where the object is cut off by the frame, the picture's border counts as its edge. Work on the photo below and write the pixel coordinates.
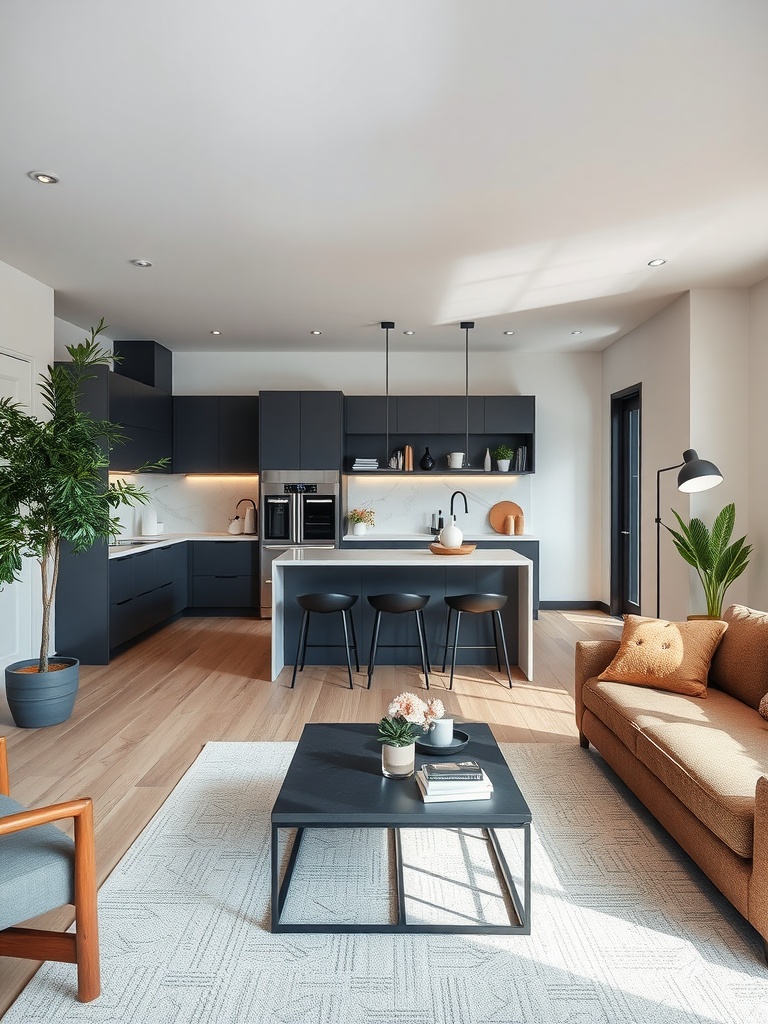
(298, 509)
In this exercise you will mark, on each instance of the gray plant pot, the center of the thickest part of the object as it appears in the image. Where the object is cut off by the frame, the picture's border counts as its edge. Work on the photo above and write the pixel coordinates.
(37, 699)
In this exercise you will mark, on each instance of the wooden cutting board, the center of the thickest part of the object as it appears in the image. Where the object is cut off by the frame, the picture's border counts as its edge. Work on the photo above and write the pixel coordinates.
(499, 512)
(465, 549)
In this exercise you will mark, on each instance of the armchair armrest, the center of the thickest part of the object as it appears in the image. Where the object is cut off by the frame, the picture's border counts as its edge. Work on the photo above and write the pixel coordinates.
(5, 788)
(591, 657)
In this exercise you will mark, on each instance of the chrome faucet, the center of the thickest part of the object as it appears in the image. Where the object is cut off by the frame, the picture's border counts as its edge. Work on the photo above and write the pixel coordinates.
(466, 506)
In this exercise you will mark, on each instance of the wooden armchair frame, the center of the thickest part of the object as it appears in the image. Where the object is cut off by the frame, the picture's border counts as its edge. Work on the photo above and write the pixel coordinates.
(82, 947)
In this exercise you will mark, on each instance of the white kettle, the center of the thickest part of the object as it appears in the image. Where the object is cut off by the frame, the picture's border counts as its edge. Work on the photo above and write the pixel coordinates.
(249, 526)
(450, 535)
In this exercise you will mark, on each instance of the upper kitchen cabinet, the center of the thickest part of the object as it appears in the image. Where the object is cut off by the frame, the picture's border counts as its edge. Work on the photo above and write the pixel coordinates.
(454, 411)
(215, 434)
(300, 429)
(367, 414)
(510, 414)
(145, 414)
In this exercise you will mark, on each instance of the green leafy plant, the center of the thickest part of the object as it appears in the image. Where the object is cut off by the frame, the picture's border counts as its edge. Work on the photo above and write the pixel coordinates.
(717, 561)
(53, 485)
(362, 515)
(408, 716)
(503, 451)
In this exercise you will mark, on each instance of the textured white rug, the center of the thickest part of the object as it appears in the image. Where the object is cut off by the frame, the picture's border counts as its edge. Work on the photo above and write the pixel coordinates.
(624, 929)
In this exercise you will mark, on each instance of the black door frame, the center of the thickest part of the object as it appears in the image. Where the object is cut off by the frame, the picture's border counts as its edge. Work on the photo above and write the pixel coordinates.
(618, 497)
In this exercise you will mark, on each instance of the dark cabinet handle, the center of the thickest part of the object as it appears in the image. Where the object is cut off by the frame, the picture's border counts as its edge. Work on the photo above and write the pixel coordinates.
(225, 577)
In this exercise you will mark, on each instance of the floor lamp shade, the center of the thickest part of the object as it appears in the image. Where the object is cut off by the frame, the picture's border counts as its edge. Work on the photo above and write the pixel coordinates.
(695, 475)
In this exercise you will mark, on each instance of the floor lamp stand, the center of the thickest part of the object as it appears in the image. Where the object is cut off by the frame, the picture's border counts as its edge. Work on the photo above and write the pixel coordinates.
(666, 469)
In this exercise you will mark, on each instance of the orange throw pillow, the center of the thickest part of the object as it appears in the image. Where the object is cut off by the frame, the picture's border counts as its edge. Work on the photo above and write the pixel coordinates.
(666, 655)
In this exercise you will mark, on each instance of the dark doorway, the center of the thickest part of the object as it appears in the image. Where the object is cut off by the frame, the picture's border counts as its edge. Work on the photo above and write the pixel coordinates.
(625, 501)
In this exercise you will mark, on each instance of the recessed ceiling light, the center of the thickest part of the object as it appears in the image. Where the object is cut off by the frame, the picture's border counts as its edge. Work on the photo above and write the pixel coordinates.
(575, 332)
(215, 332)
(43, 177)
(657, 263)
(509, 332)
(315, 332)
(409, 332)
(141, 263)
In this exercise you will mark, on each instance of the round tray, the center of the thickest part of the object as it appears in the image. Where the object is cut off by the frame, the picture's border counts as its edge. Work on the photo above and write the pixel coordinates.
(439, 549)
(460, 740)
(497, 516)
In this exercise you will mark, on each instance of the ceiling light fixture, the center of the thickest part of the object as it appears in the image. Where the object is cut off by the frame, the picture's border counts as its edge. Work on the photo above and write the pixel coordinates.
(657, 263)
(143, 264)
(43, 177)
(215, 332)
(575, 332)
(315, 332)
(386, 326)
(409, 332)
(509, 332)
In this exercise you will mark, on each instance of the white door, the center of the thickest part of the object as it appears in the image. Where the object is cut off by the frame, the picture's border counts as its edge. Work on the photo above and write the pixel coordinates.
(16, 641)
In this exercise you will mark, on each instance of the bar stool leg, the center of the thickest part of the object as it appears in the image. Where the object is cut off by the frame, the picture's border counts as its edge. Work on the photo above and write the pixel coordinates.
(346, 647)
(504, 646)
(354, 640)
(455, 645)
(426, 644)
(422, 647)
(496, 642)
(374, 644)
(301, 647)
(447, 631)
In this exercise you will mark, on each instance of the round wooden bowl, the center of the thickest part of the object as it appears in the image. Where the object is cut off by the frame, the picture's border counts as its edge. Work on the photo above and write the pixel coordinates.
(439, 549)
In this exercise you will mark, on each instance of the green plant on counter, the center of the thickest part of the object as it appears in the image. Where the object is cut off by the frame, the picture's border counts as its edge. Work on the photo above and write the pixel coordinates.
(362, 515)
(717, 561)
(503, 452)
(52, 479)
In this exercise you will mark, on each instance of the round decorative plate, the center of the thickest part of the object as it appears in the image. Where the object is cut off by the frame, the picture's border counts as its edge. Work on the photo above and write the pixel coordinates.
(499, 512)
(459, 741)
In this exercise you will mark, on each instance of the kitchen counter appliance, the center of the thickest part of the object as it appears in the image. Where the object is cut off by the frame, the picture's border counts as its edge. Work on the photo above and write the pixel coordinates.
(299, 509)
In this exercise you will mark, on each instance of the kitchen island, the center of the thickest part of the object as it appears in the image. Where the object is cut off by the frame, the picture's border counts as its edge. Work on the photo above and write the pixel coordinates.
(349, 571)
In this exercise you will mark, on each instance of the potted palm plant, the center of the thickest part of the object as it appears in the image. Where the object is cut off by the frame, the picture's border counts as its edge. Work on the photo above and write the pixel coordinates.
(717, 561)
(53, 488)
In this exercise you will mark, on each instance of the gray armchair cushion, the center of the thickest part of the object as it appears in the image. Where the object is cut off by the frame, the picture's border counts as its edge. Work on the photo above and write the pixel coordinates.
(36, 869)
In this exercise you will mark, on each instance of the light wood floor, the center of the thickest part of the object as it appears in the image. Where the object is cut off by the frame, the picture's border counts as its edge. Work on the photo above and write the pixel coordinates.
(141, 721)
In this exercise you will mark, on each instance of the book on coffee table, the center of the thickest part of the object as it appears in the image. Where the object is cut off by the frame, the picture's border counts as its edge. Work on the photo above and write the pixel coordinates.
(453, 771)
(444, 792)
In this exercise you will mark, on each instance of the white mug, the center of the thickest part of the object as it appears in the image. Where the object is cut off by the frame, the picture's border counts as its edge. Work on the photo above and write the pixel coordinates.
(455, 460)
(441, 732)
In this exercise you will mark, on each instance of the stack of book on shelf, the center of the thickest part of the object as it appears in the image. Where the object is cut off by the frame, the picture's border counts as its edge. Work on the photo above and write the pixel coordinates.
(453, 780)
(365, 464)
(521, 459)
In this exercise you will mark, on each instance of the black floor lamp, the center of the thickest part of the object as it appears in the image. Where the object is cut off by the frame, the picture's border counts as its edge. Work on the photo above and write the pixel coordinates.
(696, 475)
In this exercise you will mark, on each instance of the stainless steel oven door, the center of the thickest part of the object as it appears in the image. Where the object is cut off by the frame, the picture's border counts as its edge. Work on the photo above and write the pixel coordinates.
(318, 517)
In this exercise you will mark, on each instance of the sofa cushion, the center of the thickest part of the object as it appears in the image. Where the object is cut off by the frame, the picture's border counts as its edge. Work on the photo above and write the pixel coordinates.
(665, 655)
(617, 706)
(36, 869)
(740, 663)
(710, 756)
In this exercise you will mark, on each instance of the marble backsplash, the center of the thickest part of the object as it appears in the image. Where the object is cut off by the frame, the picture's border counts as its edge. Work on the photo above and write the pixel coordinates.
(190, 504)
(404, 503)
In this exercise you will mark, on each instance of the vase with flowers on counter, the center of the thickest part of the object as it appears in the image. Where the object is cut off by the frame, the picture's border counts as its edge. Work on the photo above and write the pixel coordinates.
(360, 519)
(408, 717)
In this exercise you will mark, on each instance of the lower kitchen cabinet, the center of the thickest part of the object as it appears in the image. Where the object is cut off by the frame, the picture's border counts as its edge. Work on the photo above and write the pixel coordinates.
(224, 574)
(145, 589)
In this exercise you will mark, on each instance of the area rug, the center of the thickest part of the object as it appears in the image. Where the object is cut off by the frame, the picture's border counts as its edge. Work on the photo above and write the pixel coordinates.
(625, 928)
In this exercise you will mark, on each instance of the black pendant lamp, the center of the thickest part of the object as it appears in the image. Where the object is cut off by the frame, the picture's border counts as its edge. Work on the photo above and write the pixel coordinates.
(466, 326)
(386, 326)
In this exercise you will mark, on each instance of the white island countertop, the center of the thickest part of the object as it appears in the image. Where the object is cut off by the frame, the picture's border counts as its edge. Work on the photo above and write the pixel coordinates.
(373, 535)
(293, 560)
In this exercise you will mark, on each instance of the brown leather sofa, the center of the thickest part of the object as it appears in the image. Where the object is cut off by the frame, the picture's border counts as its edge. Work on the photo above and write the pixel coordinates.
(699, 765)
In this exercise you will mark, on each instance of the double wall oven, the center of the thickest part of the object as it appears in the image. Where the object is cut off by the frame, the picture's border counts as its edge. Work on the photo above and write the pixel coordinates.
(299, 509)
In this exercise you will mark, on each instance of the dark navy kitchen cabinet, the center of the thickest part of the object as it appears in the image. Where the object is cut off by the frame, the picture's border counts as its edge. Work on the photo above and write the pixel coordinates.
(300, 429)
(216, 434)
(224, 574)
(146, 589)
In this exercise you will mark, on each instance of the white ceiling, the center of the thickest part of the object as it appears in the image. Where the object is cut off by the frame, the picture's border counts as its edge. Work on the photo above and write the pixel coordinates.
(297, 164)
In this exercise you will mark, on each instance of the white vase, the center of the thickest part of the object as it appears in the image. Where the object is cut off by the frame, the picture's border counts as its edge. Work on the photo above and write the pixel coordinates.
(398, 762)
(358, 529)
(503, 465)
(487, 461)
(451, 536)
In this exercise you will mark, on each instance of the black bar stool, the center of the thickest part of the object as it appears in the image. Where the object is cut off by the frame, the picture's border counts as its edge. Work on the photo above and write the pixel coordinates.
(397, 604)
(325, 604)
(476, 604)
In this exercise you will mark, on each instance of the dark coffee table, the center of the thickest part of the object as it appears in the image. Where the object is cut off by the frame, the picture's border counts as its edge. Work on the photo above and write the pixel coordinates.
(335, 781)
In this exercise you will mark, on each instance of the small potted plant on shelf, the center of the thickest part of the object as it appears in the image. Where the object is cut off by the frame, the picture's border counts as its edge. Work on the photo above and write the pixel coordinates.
(407, 717)
(503, 455)
(717, 561)
(53, 489)
(361, 519)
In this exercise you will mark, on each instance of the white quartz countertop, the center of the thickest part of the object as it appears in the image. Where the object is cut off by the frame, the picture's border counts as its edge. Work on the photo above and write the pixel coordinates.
(393, 556)
(130, 545)
(374, 535)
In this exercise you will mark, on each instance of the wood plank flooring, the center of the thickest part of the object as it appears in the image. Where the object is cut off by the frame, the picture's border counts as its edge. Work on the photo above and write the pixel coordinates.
(141, 721)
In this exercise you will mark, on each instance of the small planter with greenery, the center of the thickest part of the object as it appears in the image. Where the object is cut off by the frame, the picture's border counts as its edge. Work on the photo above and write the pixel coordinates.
(503, 455)
(717, 562)
(53, 488)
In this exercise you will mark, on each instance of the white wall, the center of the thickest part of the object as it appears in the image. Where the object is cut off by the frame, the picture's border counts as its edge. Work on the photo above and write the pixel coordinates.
(756, 441)
(656, 355)
(26, 329)
(562, 507)
(65, 333)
